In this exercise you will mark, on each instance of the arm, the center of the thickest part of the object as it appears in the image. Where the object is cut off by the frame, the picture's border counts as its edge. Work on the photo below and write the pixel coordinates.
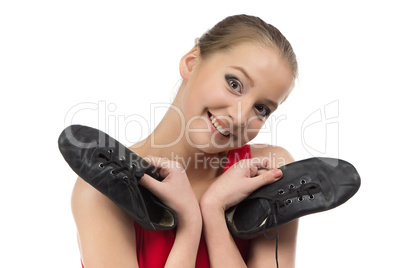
(229, 189)
(222, 249)
(262, 250)
(175, 191)
(105, 233)
(221, 246)
(185, 247)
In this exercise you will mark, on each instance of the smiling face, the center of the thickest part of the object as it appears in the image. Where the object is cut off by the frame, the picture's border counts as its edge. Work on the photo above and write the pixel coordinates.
(228, 96)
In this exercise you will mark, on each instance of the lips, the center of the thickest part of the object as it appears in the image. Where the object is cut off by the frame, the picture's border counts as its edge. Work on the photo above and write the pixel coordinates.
(219, 125)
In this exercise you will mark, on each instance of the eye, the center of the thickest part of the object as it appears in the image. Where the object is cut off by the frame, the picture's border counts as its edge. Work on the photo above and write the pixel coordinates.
(234, 84)
(263, 111)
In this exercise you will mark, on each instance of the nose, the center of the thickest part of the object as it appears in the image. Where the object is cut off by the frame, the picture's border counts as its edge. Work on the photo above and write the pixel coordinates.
(240, 113)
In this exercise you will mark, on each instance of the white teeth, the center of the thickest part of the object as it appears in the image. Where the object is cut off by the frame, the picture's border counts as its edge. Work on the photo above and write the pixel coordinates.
(219, 127)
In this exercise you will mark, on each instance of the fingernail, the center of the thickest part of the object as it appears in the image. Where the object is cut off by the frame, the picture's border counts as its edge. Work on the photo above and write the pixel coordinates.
(277, 173)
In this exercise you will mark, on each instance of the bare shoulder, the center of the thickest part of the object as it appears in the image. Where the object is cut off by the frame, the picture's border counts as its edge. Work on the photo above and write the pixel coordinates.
(106, 234)
(278, 156)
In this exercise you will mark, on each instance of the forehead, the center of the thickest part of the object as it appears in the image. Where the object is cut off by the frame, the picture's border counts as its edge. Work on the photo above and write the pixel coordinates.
(266, 68)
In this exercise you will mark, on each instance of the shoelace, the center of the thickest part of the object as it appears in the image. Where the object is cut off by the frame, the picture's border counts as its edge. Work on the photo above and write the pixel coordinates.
(120, 165)
(132, 174)
(277, 202)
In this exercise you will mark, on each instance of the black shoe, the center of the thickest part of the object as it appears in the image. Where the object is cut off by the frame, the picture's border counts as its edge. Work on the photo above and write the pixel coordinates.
(114, 170)
(307, 186)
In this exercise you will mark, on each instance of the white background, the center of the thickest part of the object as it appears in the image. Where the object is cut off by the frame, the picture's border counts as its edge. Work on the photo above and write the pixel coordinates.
(119, 57)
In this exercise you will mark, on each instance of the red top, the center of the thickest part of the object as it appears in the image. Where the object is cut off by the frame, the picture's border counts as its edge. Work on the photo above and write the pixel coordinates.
(153, 248)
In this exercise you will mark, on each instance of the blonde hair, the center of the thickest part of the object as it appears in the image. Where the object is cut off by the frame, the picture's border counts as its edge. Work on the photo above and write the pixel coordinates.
(237, 29)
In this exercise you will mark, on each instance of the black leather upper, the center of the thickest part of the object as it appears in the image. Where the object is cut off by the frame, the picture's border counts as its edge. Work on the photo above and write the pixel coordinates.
(114, 170)
(306, 187)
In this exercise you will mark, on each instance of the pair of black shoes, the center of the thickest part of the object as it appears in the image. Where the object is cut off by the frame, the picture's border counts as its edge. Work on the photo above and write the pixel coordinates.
(307, 186)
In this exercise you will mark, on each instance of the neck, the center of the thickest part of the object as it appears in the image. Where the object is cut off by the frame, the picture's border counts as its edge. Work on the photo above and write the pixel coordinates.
(168, 140)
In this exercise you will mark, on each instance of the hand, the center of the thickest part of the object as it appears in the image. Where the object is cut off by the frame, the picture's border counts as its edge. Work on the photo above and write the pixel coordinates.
(238, 182)
(174, 190)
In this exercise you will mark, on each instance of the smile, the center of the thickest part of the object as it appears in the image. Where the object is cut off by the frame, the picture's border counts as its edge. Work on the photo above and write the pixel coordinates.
(218, 126)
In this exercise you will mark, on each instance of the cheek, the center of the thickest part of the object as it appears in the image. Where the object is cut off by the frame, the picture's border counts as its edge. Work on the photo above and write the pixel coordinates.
(212, 98)
(210, 89)
(254, 127)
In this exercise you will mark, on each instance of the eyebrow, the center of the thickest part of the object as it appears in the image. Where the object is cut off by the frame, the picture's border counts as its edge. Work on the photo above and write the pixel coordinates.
(245, 73)
(241, 69)
(274, 104)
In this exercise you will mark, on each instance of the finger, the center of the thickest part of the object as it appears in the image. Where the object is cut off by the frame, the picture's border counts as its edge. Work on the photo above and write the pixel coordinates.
(261, 162)
(153, 160)
(258, 165)
(246, 166)
(261, 171)
(253, 169)
(265, 178)
(150, 183)
(163, 165)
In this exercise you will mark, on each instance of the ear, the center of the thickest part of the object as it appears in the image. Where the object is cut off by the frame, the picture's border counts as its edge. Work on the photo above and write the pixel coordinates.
(188, 62)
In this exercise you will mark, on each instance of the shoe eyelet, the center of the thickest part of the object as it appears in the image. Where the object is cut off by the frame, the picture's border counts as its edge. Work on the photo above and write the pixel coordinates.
(288, 202)
(110, 151)
(122, 158)
(300, 199)
(312, 197)
(303, 181)
(112, 172)
(101, 165)
(291, 187)
(281, 191)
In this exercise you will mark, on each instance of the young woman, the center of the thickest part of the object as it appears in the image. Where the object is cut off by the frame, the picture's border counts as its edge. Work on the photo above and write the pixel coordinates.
(233, 79)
